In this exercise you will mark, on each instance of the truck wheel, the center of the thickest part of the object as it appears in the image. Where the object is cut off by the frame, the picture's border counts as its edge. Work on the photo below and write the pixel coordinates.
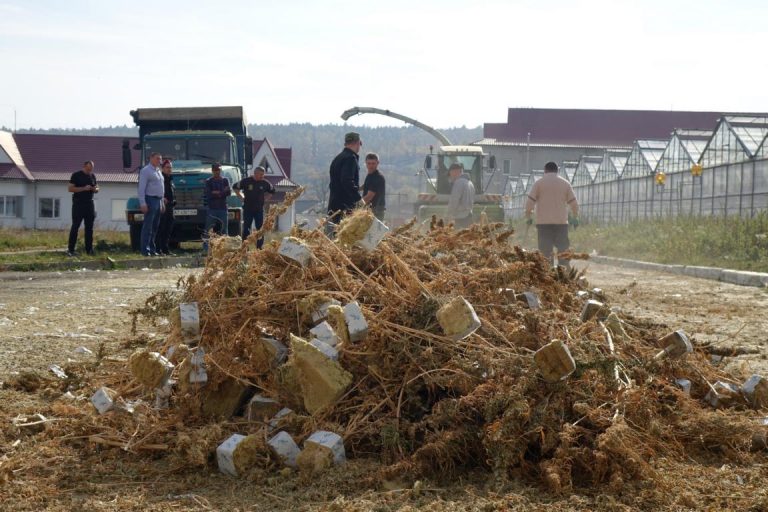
(135, 237)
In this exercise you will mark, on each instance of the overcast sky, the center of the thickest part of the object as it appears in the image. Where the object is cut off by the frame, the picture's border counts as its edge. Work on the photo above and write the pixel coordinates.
(447, 63)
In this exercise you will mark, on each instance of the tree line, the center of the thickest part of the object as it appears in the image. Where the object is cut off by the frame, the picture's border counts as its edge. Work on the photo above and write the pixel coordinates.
(401, 150)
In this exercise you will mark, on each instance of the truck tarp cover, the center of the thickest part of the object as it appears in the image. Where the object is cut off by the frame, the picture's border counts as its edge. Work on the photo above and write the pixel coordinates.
(186, 114)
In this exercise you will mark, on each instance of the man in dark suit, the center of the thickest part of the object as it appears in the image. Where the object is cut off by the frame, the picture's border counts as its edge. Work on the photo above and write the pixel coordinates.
(345, 179)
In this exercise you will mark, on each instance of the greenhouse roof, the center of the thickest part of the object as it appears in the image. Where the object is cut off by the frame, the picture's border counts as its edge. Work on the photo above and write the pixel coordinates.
(651, 150)
(694, 141)
(751, 130)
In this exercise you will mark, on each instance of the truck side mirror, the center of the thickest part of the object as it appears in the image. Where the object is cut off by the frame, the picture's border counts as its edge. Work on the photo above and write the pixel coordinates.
(127, 154)
(428, 162)
(248, 152)
(492, 162)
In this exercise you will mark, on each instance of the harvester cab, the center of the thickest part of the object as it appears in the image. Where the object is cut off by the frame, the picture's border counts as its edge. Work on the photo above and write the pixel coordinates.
(437, 185)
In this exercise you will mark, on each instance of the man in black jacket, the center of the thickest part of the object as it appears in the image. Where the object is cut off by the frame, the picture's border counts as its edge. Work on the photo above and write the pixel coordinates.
(345, 179)
(165, 228)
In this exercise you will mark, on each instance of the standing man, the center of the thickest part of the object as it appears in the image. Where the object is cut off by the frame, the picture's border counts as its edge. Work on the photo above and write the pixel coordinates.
(151, 191)
(374, 186)
(253, 191)
(551, 196)
(216, 192)
(345, 179)
(83, 185)
(165, 228)
(462, 196)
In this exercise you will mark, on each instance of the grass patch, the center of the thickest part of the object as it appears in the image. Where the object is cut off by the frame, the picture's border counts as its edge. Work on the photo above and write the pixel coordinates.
(31, 239)
(35, 248)
(726, 242)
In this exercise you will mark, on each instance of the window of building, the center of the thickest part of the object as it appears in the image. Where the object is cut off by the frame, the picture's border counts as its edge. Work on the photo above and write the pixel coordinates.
(49, 208)
(507, 167)
(118, 209)
(10, 206)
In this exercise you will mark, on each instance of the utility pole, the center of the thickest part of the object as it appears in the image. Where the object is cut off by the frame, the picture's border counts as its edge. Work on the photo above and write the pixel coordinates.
(528, 154)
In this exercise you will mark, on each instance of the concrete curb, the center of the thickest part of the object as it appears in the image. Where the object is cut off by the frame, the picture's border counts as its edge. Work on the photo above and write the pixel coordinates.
(739, 277)
(105, 264)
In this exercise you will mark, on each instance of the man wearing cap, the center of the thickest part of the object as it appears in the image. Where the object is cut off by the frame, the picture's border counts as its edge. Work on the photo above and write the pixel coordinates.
(462, 196)
(345, 179)
(216, 192)
(551, 196)
(253, 191)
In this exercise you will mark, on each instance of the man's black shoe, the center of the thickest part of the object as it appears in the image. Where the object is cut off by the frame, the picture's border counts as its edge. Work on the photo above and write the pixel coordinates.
(71, 254)
(90, 253)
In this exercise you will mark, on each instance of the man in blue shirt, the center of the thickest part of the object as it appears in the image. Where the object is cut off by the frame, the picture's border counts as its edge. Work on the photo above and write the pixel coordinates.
(216, 192)
(151, 191)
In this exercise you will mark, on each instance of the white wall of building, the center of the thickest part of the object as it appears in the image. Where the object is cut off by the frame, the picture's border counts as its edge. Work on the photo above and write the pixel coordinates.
(109, 203)
(13, 188)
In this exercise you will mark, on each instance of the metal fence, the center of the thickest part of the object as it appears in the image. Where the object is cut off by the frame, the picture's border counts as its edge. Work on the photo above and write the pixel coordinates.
(729, 189)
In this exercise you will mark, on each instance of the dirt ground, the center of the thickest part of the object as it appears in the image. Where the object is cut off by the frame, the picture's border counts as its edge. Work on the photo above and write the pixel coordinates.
(45, 317)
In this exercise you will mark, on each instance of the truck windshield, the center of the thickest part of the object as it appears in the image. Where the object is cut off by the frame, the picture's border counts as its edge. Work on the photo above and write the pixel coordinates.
(468, 161)
(198, 148)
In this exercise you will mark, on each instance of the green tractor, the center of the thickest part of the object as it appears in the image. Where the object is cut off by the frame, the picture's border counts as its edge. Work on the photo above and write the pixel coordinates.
(436, 187)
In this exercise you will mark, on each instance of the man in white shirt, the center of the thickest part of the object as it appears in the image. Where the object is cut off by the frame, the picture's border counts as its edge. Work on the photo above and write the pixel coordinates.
(551, 196)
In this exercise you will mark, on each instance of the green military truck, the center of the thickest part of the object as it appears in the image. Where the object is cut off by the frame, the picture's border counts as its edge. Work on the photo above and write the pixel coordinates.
(193, 138)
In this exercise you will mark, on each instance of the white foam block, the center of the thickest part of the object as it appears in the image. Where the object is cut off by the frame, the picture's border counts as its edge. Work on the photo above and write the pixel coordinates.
(260, 406)
(102, 400)
(684, 384)
(321, 313)
(225, 454)
(163, 395)
(197, 374)
(325, 333)
(281, 351)
(330, 440)
(295, 250)
(751, 384)
(285, 448)
(531, 299)
(282, 413)
(190, 321)
(722, 394)
(327, 350)
(374, 235)
(356, 324)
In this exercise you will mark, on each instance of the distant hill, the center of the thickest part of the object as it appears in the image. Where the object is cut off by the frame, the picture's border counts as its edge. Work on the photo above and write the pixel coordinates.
(401, 149)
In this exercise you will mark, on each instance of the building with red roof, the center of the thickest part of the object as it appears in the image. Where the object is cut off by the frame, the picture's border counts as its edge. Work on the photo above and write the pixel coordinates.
(35, 170)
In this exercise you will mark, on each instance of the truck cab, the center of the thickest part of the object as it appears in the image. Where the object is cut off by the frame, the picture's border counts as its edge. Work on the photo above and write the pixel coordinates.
(193, 139)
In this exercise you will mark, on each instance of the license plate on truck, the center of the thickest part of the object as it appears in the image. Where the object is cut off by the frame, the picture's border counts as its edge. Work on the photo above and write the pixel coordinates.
(191, 212)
